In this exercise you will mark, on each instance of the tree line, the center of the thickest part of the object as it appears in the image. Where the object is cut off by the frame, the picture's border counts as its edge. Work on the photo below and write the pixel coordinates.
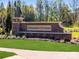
(44, 10)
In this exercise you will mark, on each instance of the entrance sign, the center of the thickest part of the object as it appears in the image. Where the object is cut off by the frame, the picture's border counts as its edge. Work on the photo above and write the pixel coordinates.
(40, 30)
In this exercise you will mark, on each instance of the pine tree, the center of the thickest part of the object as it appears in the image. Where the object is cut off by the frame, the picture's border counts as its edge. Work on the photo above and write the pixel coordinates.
(8, 19)
(66, 15)
(17, 5)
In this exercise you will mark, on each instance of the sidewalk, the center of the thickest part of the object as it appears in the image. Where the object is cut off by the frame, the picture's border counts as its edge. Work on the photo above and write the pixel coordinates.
(29, 54)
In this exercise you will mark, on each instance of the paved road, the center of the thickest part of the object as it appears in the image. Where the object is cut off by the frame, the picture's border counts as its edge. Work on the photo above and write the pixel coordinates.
(29, 54)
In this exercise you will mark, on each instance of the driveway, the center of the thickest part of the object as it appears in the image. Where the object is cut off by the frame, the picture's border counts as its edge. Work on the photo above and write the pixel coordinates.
(29, 54)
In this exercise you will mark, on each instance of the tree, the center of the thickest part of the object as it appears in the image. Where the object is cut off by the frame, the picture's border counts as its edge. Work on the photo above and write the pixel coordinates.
(2, 10)
(8, 24)
(53, 11)
(74, 5)
(59, 6)
(29, 15)
(24, 11)
(46, 4)
(8, 19)
(17, 5)
(65, 16)
(40, 10)
(32, 13)
(2, 16)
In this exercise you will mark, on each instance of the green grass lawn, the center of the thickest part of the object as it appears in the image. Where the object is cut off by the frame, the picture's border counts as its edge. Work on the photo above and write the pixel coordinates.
(38, 45)
(5, 54)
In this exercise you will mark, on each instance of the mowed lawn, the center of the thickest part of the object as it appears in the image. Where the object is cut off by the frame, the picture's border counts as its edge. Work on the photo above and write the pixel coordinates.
(5, 54)
(38, 45)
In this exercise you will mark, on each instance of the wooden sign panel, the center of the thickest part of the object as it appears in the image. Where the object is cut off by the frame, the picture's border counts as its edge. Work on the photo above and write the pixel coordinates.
(38, 27)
